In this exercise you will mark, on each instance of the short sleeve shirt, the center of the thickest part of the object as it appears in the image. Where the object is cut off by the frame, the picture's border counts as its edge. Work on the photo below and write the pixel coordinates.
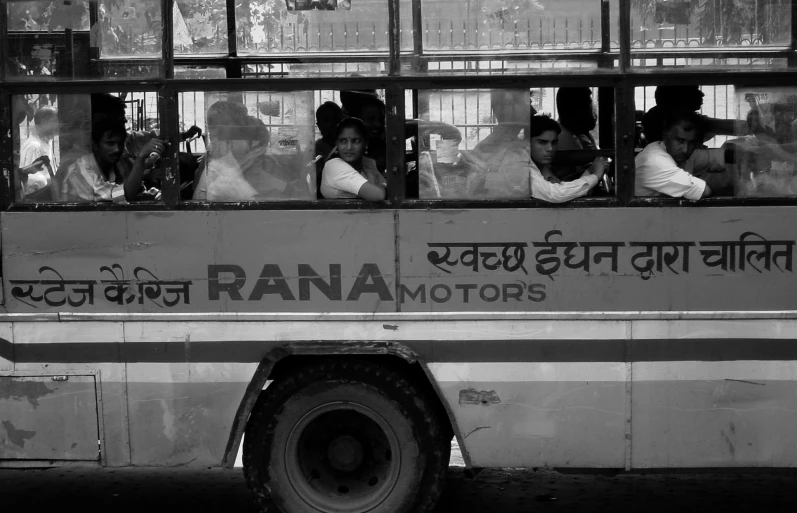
(658, 174)
(341, 181)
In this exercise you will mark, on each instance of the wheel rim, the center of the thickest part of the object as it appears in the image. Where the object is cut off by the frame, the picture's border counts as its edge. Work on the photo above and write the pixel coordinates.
(342, 457)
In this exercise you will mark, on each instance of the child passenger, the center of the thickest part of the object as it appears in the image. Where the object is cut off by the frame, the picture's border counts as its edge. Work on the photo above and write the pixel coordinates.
(348, 173)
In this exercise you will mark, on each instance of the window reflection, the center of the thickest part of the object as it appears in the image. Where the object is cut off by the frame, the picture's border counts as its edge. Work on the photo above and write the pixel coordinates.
(200, 26)
(259, 147)
(267, 26)
(511, 24)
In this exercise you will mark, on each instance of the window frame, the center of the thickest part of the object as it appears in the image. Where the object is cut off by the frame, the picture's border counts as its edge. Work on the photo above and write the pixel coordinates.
(408, 70)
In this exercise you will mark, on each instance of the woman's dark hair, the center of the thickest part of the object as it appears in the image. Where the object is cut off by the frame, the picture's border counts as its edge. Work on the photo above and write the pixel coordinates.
(540, 123)
(103, 124)
(355, 123)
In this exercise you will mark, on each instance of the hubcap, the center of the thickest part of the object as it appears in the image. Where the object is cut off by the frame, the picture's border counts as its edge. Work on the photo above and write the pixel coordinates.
(345, 453)
(342, 457)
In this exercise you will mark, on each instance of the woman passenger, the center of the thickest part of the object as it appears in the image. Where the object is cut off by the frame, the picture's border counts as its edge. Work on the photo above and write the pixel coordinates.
(348, 173)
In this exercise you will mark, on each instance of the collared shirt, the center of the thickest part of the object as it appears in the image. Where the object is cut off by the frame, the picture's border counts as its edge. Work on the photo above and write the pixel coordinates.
(658, 174)
(84, 182)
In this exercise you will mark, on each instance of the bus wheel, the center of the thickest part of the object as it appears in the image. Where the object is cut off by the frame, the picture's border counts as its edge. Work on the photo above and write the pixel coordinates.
(345, 436)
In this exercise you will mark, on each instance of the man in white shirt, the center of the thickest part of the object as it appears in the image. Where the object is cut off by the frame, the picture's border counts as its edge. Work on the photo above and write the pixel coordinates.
(666, 167)
(544, 138)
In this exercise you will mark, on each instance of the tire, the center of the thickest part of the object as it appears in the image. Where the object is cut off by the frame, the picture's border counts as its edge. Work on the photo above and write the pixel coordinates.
(345, 436)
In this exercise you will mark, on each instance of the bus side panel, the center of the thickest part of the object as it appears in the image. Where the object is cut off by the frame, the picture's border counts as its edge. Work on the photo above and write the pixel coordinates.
(531, 393)
(719, 393)
(220, 261)
(537, 414)
(597, 259)
(181, 414)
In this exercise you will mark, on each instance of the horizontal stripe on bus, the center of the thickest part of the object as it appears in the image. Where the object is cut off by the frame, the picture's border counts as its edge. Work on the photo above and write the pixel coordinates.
(428, 350)
(456, 330)
(750, 372)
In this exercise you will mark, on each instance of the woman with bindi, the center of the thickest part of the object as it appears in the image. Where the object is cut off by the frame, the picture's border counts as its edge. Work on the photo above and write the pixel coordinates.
(348, 173)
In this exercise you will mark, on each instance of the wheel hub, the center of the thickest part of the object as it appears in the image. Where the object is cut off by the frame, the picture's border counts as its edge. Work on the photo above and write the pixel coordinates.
(345, 453)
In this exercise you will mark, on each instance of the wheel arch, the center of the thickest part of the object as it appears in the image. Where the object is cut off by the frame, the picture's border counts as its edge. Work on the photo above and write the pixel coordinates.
(282, 359)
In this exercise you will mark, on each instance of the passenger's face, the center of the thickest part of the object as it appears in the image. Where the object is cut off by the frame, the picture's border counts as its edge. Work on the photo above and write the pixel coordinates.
(108, 150)
(48, 129)
(374, 119)
(681, 141)
(351, 145)
(543, 148)
(511, 106)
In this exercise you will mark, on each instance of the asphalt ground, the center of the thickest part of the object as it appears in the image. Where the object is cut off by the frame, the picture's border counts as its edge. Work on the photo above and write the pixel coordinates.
(494, 490)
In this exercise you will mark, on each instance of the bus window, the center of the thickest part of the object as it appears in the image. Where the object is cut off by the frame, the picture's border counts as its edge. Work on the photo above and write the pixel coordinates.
(275, 27)
(728, 141)
(494, 144)
(502, 30)
(671, 35)
(259, 146)
(83, 40)
(200, 27)
(83, 147)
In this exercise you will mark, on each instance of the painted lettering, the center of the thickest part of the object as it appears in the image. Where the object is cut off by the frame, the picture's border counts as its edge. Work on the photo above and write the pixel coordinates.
(263, 286)
(494, 295)
(370, 281)
(231, 285)
(513, 291)
(466, 288)
(440, 299)
(420, 291)
(308, 276)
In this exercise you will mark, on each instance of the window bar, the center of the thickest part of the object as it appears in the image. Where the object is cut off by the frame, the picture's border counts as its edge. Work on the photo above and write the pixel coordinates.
(4, 41)
(606, 94)
(625, 131)
(625, 35)
(167, 110)
(792, 60)
(394, 122)
(6, 150)
(233, 65)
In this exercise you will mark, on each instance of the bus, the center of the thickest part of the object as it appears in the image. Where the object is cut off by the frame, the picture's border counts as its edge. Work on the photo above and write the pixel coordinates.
(340, 344)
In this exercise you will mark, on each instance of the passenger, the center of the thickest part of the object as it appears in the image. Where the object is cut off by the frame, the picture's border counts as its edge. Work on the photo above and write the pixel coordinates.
(367, 106)
(35, 155)
(578, 118)
(503, 155)
(372, 114)
(688, 98)
(104, 104)
(349, 173)
(668, 167)
(97, 176)
(544, 139)
(327, 117)
(220, 177)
